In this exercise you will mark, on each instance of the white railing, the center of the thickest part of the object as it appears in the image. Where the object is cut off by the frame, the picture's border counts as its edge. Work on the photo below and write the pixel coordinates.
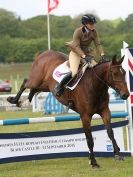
(6, 106)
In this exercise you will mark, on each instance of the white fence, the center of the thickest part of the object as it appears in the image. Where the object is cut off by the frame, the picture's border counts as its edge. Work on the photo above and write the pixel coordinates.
(38, 101)
(6, 106)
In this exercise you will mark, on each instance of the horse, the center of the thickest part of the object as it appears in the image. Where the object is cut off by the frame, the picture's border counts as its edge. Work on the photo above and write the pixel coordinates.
(89, 97)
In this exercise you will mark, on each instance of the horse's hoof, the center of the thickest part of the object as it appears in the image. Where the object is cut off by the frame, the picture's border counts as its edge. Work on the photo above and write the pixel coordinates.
(19, 104)
(118, 157)
(95, 166)
(11, 100)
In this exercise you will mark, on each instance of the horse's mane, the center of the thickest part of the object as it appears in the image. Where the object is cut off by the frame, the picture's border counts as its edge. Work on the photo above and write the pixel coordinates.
(98, 65)
(101, 63)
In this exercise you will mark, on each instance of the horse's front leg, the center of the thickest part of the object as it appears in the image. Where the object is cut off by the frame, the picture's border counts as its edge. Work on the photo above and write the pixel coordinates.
(106, 116)
(86, 121)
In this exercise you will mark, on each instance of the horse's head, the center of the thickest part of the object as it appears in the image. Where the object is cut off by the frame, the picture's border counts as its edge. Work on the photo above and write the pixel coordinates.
(116, 78)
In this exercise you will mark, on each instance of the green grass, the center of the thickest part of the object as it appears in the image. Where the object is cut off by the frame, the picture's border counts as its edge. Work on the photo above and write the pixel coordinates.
(68, 167)
(8, 71)
(15, 73)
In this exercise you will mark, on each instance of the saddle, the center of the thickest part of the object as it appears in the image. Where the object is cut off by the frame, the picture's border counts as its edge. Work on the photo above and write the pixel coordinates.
(63, 69)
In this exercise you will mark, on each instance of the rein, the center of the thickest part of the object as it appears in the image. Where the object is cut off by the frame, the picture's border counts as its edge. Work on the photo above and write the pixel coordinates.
(93, 69)
(110, 71)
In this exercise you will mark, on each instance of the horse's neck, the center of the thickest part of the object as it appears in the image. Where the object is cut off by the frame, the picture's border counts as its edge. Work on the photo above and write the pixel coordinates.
(102, 70)
(100, 76)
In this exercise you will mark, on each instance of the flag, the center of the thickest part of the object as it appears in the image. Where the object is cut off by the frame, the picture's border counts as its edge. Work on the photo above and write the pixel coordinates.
(52, 4)
(129, 76)
(125, 45)
(130, 66)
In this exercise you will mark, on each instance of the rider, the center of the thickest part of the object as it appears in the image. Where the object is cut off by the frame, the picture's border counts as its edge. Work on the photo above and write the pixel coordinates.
(82, 39)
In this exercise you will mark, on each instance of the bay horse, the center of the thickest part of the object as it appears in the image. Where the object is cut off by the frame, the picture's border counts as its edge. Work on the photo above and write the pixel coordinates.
(89, 97)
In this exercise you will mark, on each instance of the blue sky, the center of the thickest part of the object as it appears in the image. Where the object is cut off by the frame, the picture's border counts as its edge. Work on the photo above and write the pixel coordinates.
(105, 9)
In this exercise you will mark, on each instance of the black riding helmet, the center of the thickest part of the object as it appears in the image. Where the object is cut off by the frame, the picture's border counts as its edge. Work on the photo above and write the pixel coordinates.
(88, 19)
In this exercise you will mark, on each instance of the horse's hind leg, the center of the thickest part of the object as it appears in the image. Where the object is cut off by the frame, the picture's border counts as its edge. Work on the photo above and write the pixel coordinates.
(15, 100)
(87, 129)
(31, 94)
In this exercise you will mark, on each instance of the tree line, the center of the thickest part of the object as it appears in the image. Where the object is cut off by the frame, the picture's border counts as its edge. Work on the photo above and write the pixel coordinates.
(22, 40)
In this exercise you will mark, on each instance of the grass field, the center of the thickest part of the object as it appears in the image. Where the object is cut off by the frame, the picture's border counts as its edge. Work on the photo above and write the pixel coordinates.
(8, 71)
(73, 167)
(67, 167)
(15, 73)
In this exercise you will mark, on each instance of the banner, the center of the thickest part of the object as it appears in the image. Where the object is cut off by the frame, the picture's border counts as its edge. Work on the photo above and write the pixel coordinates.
(27, 146)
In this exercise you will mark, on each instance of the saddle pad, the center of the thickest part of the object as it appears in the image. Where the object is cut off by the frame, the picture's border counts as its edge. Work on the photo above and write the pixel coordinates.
(74, 81)
(63, 69)
(60, 72)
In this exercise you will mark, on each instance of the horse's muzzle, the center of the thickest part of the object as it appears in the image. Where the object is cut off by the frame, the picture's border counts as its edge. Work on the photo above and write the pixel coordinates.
(124, 96)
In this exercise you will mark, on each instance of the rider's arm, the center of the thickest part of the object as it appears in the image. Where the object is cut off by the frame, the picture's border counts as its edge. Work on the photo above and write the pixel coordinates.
(75, 44)
(98, 44)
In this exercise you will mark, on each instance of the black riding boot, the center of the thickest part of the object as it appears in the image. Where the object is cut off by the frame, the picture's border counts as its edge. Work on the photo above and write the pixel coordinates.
(59, 89)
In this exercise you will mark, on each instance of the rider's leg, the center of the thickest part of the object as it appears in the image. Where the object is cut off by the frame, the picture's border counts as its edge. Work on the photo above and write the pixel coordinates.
(74, 61)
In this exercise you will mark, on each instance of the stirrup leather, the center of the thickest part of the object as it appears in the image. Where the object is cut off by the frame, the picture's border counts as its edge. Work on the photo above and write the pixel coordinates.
(58, 90)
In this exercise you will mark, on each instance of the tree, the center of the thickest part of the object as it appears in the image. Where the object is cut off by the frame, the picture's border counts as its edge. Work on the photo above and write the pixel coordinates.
(22, 40)
(9, 23)
(34, 28)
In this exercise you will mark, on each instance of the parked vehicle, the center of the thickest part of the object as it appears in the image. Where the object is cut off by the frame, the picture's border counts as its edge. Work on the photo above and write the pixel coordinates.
(5, 86)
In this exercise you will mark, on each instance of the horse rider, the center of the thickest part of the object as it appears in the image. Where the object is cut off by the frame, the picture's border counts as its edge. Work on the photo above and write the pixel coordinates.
(80, 49)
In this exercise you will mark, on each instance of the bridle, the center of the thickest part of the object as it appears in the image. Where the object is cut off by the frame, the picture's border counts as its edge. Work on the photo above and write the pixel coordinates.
(111, 71)
(110, 76)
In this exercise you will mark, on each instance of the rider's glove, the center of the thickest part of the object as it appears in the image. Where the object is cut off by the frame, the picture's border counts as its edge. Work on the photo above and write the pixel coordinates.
(102, 60)
(87, 59)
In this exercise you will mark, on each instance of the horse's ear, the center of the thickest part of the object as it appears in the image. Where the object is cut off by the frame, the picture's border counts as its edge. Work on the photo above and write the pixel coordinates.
(117, 62)
(114, 59)
(121, 60)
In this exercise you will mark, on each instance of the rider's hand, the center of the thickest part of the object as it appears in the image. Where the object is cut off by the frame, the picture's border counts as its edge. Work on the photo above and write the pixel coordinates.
(102, 60)
(102, 54)
(87, 58)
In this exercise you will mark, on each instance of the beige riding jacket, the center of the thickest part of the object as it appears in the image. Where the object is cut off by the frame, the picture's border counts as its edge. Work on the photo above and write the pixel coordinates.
(82, 38)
